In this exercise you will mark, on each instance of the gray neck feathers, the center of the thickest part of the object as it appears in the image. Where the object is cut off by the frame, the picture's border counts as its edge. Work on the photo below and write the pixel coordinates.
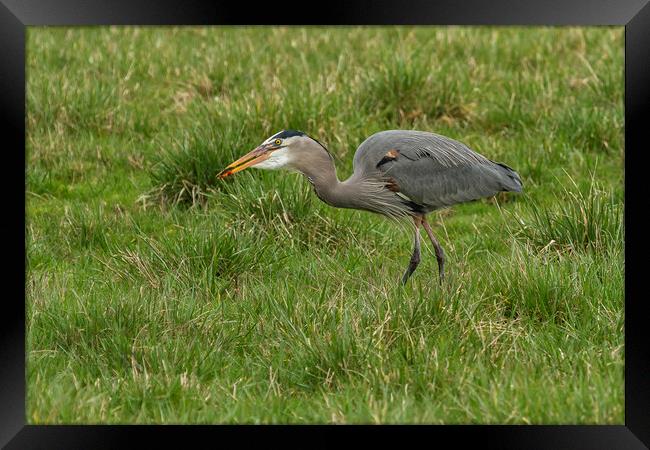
(317, 165)
(357, 192)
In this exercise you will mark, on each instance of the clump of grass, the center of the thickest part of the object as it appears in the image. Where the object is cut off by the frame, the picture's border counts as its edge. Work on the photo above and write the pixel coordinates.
(285, 198)
(592, 129)
(409, 89)
(77, 107)
(75, 232)
(578, 220)
(187, 168)
(559, 288)
(515, 110)
(537, 288)
(219, 252)
(87, 229)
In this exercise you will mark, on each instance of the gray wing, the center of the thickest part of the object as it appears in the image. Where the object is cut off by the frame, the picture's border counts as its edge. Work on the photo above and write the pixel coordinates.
(432, 170)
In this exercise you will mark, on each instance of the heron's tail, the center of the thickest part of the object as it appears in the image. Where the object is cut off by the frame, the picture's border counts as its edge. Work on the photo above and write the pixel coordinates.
(510, 179)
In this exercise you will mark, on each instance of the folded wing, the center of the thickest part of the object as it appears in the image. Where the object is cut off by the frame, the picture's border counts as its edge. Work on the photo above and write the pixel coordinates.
(433, 170)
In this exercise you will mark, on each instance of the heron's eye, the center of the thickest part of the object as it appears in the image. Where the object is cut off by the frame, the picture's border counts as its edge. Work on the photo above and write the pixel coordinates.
(277, 141)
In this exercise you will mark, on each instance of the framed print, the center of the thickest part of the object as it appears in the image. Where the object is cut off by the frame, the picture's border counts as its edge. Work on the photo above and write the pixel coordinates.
(438, 235)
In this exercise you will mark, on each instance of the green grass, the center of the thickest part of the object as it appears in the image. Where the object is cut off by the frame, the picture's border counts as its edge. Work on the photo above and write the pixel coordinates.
(156, 293)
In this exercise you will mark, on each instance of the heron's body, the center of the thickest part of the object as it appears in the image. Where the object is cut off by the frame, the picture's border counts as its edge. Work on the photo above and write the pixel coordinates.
(432, 171)
(397, 173)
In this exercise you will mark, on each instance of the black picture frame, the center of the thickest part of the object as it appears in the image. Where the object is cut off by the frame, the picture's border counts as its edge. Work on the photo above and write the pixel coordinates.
(16, 15)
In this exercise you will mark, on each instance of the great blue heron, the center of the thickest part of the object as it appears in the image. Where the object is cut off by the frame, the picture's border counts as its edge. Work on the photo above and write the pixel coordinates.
(397, 173)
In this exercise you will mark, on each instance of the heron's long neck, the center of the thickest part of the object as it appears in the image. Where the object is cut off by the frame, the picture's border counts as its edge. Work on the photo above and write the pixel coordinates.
(321, 172)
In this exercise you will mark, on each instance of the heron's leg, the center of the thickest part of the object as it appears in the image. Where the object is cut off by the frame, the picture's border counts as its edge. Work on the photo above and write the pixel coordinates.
(415, 257)
(440, 255)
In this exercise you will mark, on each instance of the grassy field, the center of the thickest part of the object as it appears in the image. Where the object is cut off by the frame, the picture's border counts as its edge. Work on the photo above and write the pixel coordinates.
(156, 293)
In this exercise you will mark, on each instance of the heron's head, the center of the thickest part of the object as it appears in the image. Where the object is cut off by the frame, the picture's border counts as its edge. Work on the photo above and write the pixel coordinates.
(284, 149)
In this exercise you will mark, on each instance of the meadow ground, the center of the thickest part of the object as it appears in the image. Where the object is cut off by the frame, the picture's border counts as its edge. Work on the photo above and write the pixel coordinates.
(156, 293)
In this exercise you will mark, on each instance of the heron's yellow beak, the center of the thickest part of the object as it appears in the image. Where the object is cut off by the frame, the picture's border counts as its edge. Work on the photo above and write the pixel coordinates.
(250, 159)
